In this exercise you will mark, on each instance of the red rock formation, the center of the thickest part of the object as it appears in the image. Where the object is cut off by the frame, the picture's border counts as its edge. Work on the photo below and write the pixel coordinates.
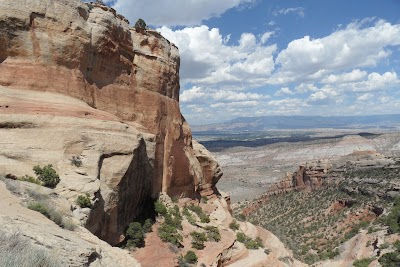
(88, 52)
(307, 177)
(210, 169)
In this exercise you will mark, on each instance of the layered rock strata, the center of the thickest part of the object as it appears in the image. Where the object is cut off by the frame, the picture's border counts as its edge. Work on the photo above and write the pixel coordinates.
(82, 91)
(90, 86)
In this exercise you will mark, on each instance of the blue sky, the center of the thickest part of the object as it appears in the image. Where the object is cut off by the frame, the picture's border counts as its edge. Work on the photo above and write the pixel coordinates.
(280, 57)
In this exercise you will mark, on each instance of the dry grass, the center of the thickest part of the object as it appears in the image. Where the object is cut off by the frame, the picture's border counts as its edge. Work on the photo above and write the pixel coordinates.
(17, 251)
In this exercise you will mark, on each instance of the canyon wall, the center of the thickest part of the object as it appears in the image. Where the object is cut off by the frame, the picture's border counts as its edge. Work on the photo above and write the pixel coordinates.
(92, 87)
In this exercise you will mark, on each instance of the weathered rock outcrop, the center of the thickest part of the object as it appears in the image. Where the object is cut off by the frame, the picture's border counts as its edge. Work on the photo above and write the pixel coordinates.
(78, 248)
(116, 159)
(309, 176)
(89, 52)
(123, 119)
(210, 169)
(306, 177)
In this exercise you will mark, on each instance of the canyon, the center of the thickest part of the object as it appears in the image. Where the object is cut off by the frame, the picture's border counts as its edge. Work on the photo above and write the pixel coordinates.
(98, 101)
(83, 92)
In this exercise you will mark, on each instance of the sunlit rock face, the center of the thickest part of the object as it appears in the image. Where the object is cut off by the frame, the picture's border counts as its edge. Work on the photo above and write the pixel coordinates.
(93, 86)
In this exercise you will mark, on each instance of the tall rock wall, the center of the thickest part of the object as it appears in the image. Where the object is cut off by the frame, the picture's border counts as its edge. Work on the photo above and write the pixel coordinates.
(89, 52)
(54, 49)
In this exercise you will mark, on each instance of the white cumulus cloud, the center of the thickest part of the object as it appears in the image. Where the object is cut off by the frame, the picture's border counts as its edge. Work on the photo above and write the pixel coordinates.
(354, 75)
(207, 59)
(208, 94)
(376, 81)
(352, 47)
(284, 91)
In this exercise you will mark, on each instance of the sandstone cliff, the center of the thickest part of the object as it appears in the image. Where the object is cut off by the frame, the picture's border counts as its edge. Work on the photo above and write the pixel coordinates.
(76, 82)
(127, 83)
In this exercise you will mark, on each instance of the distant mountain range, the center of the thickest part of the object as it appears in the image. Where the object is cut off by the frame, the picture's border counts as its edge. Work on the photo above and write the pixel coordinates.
(303, 122)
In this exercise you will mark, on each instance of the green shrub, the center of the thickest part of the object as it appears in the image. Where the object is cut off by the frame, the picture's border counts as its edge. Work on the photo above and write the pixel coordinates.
(160, 208)
(384, 246)
(174, 221)
(254, 243)
(140, 24)
(135, 235)
(213, 233)
(234, 225)
(397, 245)
(168, 233)
(168, 230)
(391, 259)
(84, 201)
(363, 262)
(392, 220)
(191, 257)
(47, 175)
(249, 242)
(329, 254)
(39, 207)
(241, 217)
(196, 209)
(311, 258)
(198, 240)
(204, 218)
(147, 225)
(188, 216)
(241, 237)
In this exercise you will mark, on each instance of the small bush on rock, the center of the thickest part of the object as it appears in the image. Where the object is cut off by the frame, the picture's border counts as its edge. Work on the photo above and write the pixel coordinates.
(168, 233)
(191, 257)
(168, 230)
(189, 216)
(40, 207)
(84, 201)
(135, 235)
(213, 233)
(198, 240)
(47, 175)
(234, 225)
(362, 262)
(147, 225)
(140, 24)
(204, 218)
(160, 208)
(249, 242)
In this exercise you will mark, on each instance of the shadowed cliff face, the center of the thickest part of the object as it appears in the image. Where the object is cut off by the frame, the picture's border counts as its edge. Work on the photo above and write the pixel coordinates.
(88, 52)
